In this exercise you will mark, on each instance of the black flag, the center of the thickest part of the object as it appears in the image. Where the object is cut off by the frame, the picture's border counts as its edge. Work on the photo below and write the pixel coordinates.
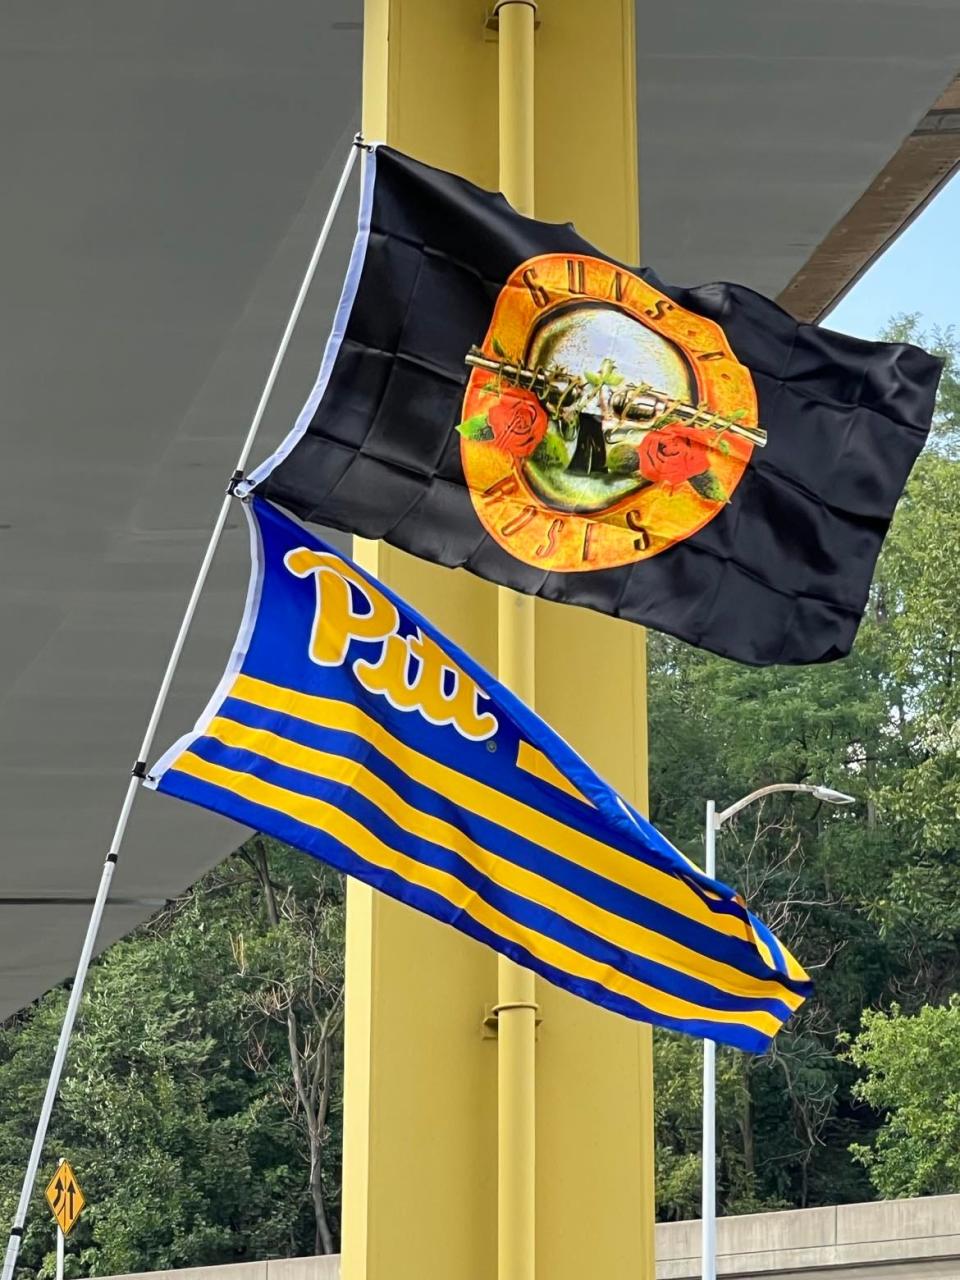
(499, 395)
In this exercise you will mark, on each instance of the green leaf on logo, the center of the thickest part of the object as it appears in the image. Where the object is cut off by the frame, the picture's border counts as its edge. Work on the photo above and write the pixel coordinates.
(476, 428)
(708, 486)
(498, 349)
(738, 415)
(622, 459)
(550, 452)
(723, 446)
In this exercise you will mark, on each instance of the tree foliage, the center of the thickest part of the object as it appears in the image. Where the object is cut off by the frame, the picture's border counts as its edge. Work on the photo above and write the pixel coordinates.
(869, 898)
(176, 1108)
(911, 1077)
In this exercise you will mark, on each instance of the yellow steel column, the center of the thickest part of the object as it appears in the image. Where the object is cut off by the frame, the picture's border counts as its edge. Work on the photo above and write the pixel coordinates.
(516, 993)
(420, 1186)
(420, 1081)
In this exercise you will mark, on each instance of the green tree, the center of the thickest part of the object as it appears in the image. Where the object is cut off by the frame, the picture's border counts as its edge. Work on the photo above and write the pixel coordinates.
(911, 1077)
(867, 897)
(174, 1108)
(678, 1065)
(293, 981)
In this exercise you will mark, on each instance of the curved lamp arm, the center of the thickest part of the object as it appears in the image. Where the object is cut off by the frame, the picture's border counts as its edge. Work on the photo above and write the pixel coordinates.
(822, 793)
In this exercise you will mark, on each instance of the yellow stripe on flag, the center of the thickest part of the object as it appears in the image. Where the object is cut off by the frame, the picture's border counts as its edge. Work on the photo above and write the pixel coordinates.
(535, 762)
(660, 886)
(356, 837)
(547, 893)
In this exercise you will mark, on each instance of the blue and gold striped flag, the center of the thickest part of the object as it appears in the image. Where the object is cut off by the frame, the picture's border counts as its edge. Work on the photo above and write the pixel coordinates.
(346, 725)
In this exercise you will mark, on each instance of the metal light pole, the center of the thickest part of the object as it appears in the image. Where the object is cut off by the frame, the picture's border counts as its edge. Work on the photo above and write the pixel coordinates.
(709, 1146)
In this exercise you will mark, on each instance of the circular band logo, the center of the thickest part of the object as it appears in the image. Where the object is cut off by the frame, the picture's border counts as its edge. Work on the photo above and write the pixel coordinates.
(602, 423)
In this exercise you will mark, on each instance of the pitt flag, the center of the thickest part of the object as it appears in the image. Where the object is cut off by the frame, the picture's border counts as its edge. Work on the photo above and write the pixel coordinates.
(498, 394)
(348, 726)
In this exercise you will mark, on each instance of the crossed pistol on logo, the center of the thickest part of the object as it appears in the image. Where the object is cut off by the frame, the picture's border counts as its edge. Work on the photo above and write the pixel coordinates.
(627, 411)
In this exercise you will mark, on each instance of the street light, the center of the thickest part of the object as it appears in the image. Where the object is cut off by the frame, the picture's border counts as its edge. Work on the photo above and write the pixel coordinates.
(709, 1158)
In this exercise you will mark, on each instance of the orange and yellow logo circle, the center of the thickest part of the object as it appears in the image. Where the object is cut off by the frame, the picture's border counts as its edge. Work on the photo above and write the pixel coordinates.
(602, 423)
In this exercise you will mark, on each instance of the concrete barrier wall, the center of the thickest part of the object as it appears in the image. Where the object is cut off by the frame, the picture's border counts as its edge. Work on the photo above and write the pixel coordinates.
(887, 1240)
(327, 1268)
(877, 1241)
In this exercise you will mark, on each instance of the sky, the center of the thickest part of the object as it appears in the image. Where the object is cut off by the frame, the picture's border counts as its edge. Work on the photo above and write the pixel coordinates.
(919, 272)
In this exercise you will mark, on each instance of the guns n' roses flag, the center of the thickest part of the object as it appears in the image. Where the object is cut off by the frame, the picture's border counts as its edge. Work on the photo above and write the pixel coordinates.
(498, 394)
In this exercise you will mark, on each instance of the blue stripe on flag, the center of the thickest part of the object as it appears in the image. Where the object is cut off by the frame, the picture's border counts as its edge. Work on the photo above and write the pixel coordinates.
(328, 849)
(527, 913)
(587, 884)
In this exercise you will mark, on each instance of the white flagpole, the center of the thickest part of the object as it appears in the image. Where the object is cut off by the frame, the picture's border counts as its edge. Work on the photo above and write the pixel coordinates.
(93, 928)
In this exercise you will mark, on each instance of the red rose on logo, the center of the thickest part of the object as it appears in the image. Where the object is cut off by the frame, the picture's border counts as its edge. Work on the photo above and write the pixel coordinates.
(672, 454)
(518, 421)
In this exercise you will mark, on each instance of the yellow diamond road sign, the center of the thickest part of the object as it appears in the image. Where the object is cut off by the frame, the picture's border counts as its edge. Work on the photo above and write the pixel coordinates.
(65, 1198)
